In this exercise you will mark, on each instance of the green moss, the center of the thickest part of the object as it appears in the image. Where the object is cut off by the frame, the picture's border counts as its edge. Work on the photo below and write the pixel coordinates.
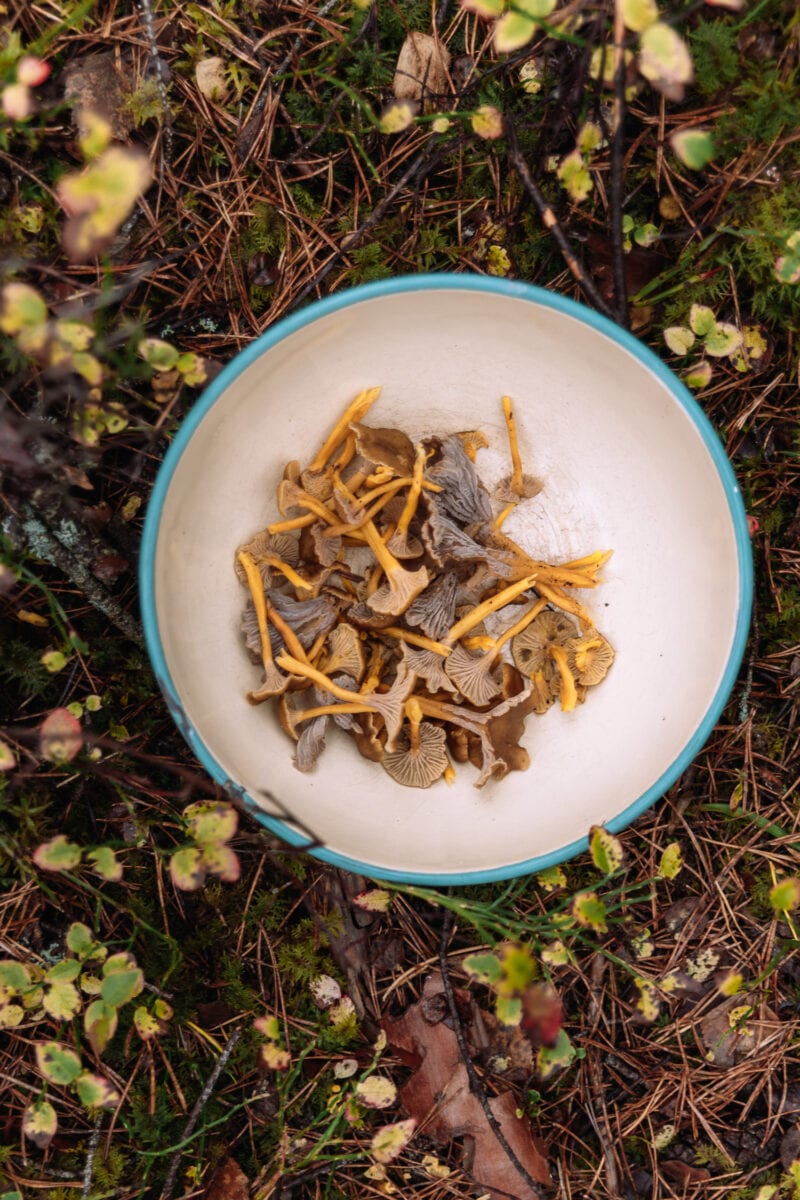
(715, 56)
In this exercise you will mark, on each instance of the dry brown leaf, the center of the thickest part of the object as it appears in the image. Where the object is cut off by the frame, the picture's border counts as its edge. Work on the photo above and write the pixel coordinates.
(228, 1182)
(438, 1097)
(728, 1035)
(681, 1172)
(94, 84)
(421, 69)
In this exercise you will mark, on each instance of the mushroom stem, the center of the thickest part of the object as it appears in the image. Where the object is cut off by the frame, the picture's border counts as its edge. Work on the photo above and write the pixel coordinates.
(387, 491)
(414, 716)
(292, 523)
(403, 586)
(332, 710)
(556, 596)
(256, 585)
(568, 691)
(295, 580)
(355, 411)
(414, 491)
(513, 445)
(519, 625)
(293, 644)
(503, 514)
(591, 562)
(478, 614)
(417, 639)
(296, 666)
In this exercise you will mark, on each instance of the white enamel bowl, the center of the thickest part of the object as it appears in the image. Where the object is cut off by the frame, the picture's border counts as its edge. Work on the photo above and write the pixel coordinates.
(629, 463)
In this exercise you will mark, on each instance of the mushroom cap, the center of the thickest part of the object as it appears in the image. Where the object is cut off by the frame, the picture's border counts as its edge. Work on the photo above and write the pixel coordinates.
(472, 675)
(464, 497)
(310, 744)
(275, 545)
(423, 766)
(530, 648)
(433, 611)
(505, 493)
(400, 589)
(345, 652)
(388, 447)
(589, 657)
(273, 683)
(428, 665)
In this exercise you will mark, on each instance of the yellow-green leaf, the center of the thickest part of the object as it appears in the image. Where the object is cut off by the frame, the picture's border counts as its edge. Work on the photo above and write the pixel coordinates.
(60, 737)
(396, 117)
(699, 375)
(11, 1015)
(556, 954)
(512, 31)
(671, 862)
(589, 911)
(484, 8)
(722, 340)
(95, 134)
(376, 1091)
(391, 1140)
(551, 879)
(519, 967)
(648, 1003)
(100, 198)
(575, 176)
(558, 1057)
(100, 1023)
(274, 1058)
(785, 896)
(121, 987)
(159, 355)
(193, 369)
(79, 939)
(211, 821)
(606, 850)
(187, 869)
(487, 122)
(105, 863)
(53, 661)
(509, 1010)
(62, 1001)
(39, 1123)
(94, 1091)
(14, 977)
(57, 1063)
(22, 308)
(664, 60)
(679, 339)
(220, 860)
(693, 147)
(7, 757)
(270, 1026)
(376, 900)
(639, 14)
(58, 854)
(485, 967)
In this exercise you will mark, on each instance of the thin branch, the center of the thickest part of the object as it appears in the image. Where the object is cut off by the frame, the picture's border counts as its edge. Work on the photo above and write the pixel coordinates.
(94, 1141)
(550, 222)
(194, 1115)
(475, 1084)
(617, 171)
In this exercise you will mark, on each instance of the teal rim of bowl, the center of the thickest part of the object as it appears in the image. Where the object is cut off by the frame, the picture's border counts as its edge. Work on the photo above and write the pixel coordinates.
(511, 289)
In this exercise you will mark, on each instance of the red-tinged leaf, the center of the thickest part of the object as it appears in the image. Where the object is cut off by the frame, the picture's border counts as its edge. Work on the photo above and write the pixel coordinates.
(392, 1140)
(325, 991)
(60, 736)
(542, 1014)
(58, 854)
(274, 1057)
(220, 860)
(105, 863)
(270, 1026)
(376, 900)
(376, 1091)
(100, 1023)
(228, 1182)
(39, 1123)
(211, 822)
(7, 758)
(119, 987)
(95, 1091)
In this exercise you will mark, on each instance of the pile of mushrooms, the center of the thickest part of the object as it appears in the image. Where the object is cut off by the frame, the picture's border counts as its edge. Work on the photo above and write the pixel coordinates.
(371, 601)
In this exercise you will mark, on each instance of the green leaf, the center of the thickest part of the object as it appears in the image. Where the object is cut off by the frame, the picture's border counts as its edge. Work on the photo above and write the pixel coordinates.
(105, 863)
(374, 900)
(161, 356)
(7, 757)
(787, 266)
(193, 369)
(100, 1024)
(639, 14)
(485, 967)
(270, 1026)
(121, 986)
(646, 235)
(574, 176)
(589, 911)
(63, 972)
(671, 862)
(519, 968)
(376, 1092)
(722, 340)
(57, 855)
(699, 374)
(551, 879)
(551, 1059)
(14, 977)
(484, 8)
(693, 147)
(396, 117)
(509, 1010)
(210, 821)
(556, 954)
(187, 869)
(539, 10)
(391, 1140)
(100, 198)
(62, 1001)
(76, 335)
(785, 896)
(487, 122)
(664, 60)
(79, 939)
(21, 308)
(54, 661)
(512, 31)
(590, 136)
(39, 1123)
(147, 1024)
(679, 339)
(95, 133)
(94, 1091)
(701, 319)
(605, 849)
(60, 737)
(57, 1063)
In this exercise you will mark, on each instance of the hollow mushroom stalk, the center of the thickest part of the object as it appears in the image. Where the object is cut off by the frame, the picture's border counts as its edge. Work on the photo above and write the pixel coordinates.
(274, 680)
(483, 610)
(355, 411)
(399, 543)
(389, 705)
(472, 674)
(568, 693)
(402, 586)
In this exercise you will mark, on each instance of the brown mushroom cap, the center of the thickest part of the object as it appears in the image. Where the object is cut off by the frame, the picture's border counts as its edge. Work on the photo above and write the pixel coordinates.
(530, 648)
(464, 497)
(385, 447)
(420, 766)
(589, 657)
(433, 611)
(472, 675)
(345, 652)
(310, 744)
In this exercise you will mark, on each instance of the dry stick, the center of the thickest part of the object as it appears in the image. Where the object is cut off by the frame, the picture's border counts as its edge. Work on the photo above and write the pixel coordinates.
(550, 222)
(161, 73)
(194, 1115)
(475, 1084)
(617, 171)
(94, 1141)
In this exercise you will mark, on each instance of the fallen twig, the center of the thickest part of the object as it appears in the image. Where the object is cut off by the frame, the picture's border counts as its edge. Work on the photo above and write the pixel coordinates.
(94, 1141)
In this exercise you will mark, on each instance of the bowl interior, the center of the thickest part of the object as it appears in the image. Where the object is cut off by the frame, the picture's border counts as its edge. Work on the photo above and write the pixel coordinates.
(625, 467)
